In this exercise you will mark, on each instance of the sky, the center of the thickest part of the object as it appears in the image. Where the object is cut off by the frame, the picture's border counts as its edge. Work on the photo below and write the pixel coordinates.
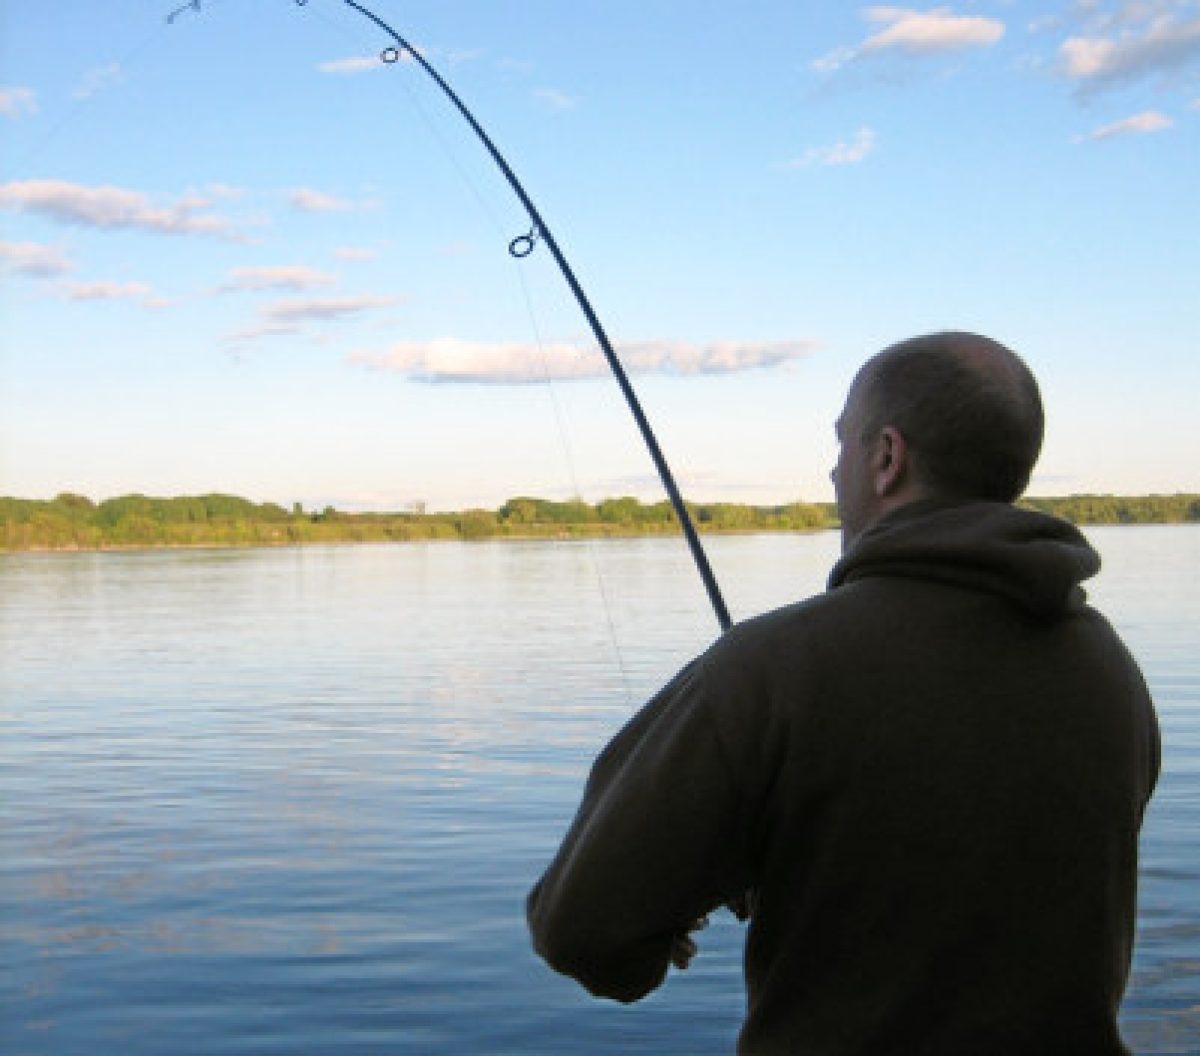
(242, 253)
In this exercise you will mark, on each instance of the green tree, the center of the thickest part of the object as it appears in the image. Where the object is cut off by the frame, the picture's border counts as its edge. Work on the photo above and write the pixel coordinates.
(477, 524)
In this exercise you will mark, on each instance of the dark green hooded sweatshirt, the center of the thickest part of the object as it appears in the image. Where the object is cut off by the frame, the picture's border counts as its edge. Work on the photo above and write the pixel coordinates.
(930, 778)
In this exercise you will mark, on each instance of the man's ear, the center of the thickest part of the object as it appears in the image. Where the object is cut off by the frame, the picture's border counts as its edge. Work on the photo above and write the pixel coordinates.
(890, 466)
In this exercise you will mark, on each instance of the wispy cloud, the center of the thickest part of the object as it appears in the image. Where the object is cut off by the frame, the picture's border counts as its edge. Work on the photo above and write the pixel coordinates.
(354, 64)
(113, 208)
(18, 102)
(928, 32)
(1138, 124)
(34, 259)
(225, 190)
(355, 253)
(288, 318)
(258, 332)
(115, 291)
(324, 308)
(1045, 24)
(106, 291)
(50, 262)
(1149, 40)
(450, 359)
(844, 152)
(98, 79)
(279, 277)
(511, 65)
(309, 201)
(555, 100)
(912, 33)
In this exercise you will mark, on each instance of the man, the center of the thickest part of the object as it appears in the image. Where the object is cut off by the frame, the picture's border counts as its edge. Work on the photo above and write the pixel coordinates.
(925, 785)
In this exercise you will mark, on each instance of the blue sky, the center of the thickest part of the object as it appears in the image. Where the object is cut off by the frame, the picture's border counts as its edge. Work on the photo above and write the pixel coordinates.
(242, 254)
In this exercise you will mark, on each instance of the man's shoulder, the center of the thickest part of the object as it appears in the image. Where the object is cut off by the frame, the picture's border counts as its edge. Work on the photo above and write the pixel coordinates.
(809, 618)
(801, 634)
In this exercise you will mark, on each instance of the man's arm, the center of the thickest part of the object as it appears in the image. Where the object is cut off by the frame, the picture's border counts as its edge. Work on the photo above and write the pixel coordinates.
(656, 844)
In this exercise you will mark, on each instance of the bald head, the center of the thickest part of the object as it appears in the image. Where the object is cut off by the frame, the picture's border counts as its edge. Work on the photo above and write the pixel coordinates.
(968, 408)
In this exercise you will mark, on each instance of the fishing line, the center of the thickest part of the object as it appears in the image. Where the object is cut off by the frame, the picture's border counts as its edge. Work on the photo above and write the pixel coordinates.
(565, 444)
(434, 131)
(87, 102)
(519, 247)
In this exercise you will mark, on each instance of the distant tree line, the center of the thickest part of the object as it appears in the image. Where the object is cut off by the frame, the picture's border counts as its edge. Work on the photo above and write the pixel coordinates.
(1117, 509)
(76, 522)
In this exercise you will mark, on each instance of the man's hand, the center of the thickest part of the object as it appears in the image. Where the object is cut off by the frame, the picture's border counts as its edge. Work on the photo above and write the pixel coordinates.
(683, 946)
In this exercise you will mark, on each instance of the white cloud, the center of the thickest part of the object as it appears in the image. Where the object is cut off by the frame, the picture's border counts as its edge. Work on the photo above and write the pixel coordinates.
(926, 32)
(833, 61)
(224, 190)
(112, 208)
(98, 79)
(256, 333)
(321, 308)
(450, 359)
(1103, 16)
(287, 318)
(355, 253)
(554, 99)
(280, 277)
(354, 64)
(1085, 56)
(106, 291)
(1157, 44)
(511, 65)
(1147, 121)
(309, 201)
(1045, 24)
(915, 33)
(841, 153)
(115, 291)
(32, 258)
(18, 102)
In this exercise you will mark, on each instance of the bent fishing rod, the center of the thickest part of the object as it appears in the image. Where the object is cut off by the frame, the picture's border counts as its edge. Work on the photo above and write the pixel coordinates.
(522, 246)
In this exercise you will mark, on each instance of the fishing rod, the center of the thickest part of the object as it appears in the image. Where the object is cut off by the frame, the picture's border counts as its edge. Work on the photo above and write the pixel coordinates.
(522, 246)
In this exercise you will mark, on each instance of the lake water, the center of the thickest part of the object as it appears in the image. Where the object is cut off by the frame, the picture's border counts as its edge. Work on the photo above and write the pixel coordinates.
(290, 801)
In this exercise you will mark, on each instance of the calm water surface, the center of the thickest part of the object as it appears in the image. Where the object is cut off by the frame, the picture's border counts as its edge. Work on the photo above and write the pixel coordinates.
(290, 801)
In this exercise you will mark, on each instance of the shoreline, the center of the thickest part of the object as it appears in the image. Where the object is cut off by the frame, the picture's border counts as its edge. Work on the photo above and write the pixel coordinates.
(74, 523)
(300, 544)
(527, 537)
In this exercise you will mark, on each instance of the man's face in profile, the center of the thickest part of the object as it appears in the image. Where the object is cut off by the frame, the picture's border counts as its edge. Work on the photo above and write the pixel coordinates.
(851, 474)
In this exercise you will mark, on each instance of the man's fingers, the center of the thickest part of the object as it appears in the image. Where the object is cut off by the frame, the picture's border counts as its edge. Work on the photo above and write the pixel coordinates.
(683, 949)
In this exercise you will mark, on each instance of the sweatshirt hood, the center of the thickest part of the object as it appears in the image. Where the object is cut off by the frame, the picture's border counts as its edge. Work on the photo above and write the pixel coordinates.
(1035, 561)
